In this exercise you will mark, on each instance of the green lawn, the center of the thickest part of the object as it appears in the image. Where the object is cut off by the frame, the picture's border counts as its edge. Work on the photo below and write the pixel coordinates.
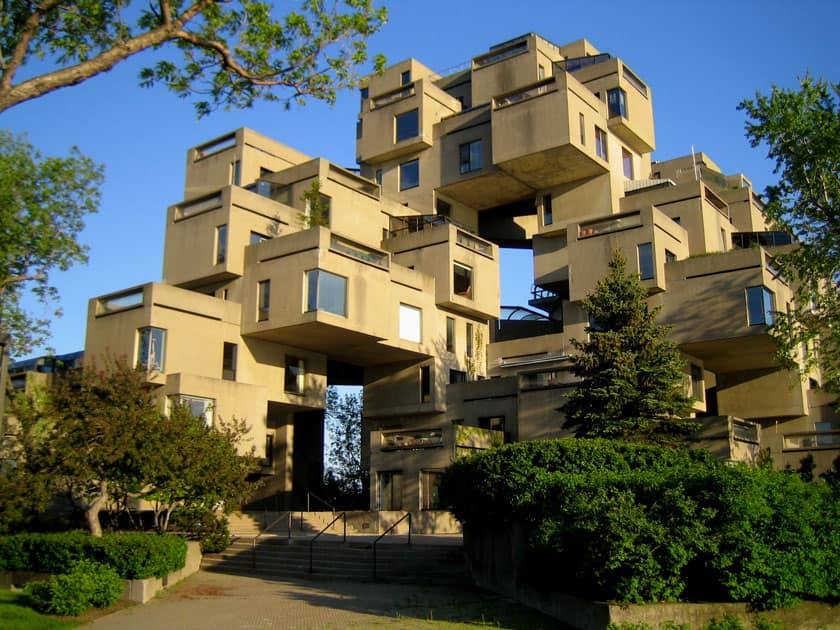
(15, 616)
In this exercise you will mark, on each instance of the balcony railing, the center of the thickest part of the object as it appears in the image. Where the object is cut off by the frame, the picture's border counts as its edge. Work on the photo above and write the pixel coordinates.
(815, 440)
(577, 63)
(610, 225)
(400, 226)
(525, 94)
(745, 240)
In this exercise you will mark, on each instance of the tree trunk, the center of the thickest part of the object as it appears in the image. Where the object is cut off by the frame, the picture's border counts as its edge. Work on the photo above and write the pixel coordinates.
(93, 509)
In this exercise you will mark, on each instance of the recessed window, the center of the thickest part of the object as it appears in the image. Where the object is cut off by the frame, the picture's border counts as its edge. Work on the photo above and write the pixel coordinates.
(462, 283)
(411, 320)
(364, 93)
(450, 334)
(493, 423)
(443, 208)
(359, 129)
(548, 215)
(645, 261)
(470, 156)
(405, 77)
(268, 460)
(697, 390)
(229, 361)
(379, 176)
(295, 379)
(600, 143)
(221, 243)
(617, 102)
(430, 483)
(407, 125)
(409, 174)
(670, 257)
(540, 72)
(198, 406)
(760, 305)
(256, 237)
(151, 348)
(425, 383)
(582, 120)
(457, 376)
(263, 299)
(390, 490)
(627, 163)
(469, 340)
(326, 291)
(236, 173)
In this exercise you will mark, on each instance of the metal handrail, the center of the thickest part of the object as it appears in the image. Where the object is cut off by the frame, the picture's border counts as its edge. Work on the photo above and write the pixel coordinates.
(343, 516)
(407, 515)
(264, 530)
(315, 496)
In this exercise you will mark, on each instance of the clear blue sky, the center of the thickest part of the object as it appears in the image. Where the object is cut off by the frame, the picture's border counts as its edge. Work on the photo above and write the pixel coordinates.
(699, 58)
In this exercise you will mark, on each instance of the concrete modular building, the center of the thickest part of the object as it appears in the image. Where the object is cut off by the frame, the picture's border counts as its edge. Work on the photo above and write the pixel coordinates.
(284, 274)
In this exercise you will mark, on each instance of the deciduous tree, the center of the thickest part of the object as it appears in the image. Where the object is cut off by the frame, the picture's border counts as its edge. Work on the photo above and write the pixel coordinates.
(801, 130)
(344, 458)
(632, 383)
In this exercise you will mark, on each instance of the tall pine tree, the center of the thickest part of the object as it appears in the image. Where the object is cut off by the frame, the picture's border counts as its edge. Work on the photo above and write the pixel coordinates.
(632, 376)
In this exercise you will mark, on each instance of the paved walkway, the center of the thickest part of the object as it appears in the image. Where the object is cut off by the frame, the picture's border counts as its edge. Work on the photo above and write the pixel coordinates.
(208, 601)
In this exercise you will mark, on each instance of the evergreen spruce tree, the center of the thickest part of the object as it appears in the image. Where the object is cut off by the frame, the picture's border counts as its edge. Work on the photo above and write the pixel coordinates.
(632, 376)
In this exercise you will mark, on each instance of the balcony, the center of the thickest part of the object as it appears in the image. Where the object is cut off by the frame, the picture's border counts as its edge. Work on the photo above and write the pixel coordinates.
(538, 136)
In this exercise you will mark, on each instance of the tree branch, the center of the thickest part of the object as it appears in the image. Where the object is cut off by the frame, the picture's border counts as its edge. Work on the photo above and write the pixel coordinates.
(19, 53)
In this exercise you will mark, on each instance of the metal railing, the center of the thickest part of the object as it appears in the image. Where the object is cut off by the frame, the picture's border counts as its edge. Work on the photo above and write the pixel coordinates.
(407, 515)
(342, 516)
(312, 495)
(266, 528)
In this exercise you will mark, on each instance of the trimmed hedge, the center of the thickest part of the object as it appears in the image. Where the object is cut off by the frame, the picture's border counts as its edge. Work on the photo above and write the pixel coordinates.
(87, 584)
(133, 555)
(640, 523)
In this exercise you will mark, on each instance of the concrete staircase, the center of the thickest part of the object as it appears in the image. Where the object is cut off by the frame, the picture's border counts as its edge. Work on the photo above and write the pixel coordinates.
(278, 558)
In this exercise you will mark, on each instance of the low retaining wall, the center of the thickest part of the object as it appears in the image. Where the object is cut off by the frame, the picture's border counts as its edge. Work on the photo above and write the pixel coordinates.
(139, 591)
(495, 561)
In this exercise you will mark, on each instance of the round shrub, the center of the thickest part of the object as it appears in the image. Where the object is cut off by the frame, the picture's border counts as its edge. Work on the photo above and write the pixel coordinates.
(87, 584)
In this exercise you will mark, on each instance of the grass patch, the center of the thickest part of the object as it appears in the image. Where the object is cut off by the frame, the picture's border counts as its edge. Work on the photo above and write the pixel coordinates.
(15, 615)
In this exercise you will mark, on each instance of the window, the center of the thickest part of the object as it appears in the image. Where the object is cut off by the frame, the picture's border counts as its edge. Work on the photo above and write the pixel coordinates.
(670, 257)
(443, 208)
(677, 220)
(645, 261)
(197, 406)
(462, 280)
(627, 163)
(359, 129)
(256, 237)
(470, 156)
(268, 460)
(221, 244)
(617, 102)
(760, 306)
(407, 125)
(410, 323)
(263, 299)
(493, 423)
(326, 291)
(425, 383)
(582, 119)
(405, 77)
(450, 334)
(151, 348)
(430, 483)
(457, 376)
(236, 173)
(697, 391)
(548, 215)
(295, 380)
(600, 143)
(390, 490)
(379, 176)
(469, 339)
(409, 174)
(229, 361)
(540, 72)
(364, 93)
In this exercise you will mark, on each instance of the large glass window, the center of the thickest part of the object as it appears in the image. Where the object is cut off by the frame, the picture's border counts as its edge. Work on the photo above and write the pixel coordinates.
(198, 406)
(326, 291)
(617, 102)
(645, 261)
(295, 381)
(390, 490)
(760, 305)
(407, 125)
(462, 280)
(600, 143)
(263, 299)
(409, 174)
(221, 243)
(470, 156)
(256, 237)
(229, 361)
(411, 323)
(548, 214)
(151, 348)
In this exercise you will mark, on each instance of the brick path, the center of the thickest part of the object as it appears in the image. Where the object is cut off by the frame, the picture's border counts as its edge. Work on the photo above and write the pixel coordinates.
(211, 600)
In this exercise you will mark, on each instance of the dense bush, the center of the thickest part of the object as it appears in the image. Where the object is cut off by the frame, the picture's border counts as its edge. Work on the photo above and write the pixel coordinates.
(133, 555)
(87, 584)
(638, 523)
(204, 525)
